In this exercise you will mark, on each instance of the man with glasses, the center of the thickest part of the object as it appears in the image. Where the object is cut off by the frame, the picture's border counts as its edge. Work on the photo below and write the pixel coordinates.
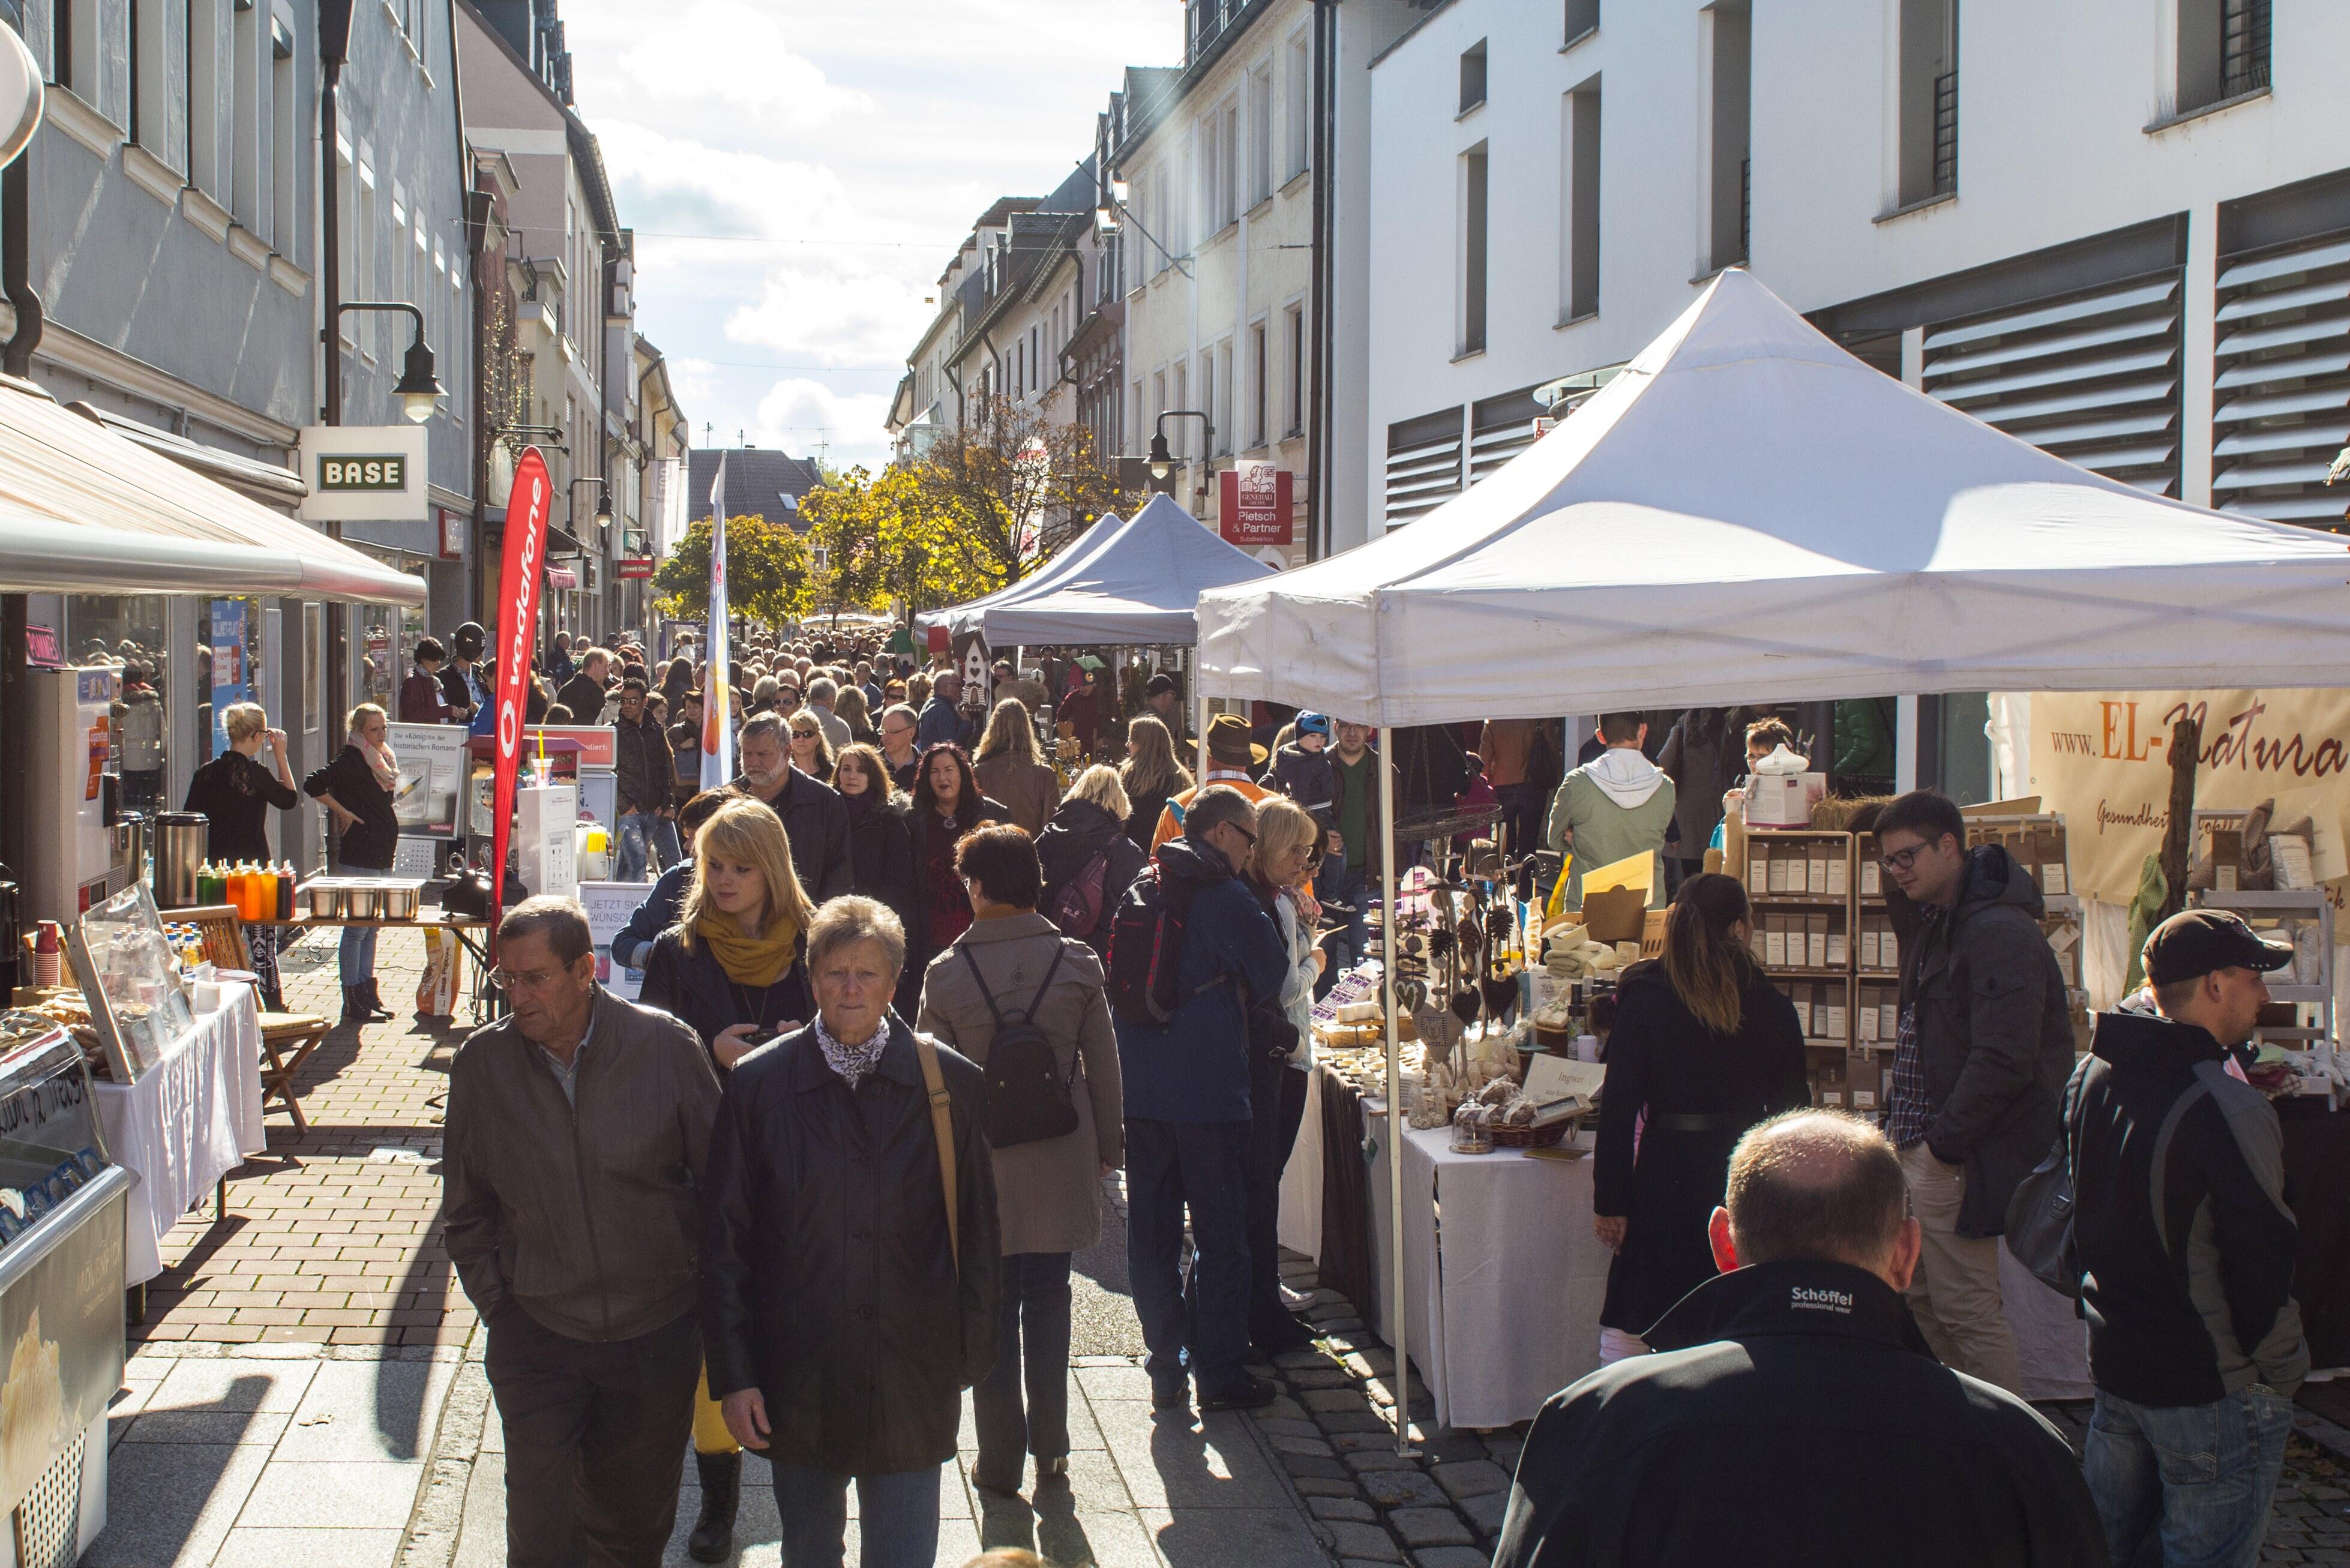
(578, 1128)
(1188, 1117)
(898, 749)
(1984, 1046)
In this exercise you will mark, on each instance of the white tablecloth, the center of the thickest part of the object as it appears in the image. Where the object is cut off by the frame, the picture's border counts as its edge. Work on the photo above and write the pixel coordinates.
(187, 1122)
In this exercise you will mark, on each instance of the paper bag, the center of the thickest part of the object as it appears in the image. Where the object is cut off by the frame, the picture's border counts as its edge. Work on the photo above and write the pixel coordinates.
(1632, 871)
(1616, 914)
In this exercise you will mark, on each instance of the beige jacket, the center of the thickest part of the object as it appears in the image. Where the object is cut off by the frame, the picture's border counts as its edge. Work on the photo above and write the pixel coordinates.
(1028, 791)
(1048, 1194)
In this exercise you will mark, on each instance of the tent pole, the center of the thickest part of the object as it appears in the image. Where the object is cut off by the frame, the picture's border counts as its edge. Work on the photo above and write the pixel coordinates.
(1200, 722)
(1397, 1125)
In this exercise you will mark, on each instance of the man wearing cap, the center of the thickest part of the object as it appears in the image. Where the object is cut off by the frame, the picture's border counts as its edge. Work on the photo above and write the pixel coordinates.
(2186, 1250)
(1165, 701)
(1232, 759)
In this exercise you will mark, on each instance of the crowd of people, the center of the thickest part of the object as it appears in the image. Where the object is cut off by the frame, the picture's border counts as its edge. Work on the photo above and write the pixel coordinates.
(907, 999)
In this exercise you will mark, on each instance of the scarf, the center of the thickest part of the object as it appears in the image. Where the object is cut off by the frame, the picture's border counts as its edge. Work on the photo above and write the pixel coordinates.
(751, 960)
(380, 761)
(852, 1062)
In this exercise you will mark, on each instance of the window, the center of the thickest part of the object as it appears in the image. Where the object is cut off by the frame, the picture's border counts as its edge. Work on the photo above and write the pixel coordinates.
(1581, 19)
(1260, 134)
(1579, 202)
(93, 55)
(1036, 361)
(1472, 77)
(2224, 50)
(245, 198)
(159, 80)
(208, 74)
(395, 272)
(1223, 363)
(1159, 403)
(1292, 332)
(1228, 171)
(1300, 93)
(363, 245)
(1730, 170)
(1210, 202)
(286, 142)
(1929, 108)
(1471, 339)
(1260, 375)
(1181, 435)
(347, 199)
(1210, 404)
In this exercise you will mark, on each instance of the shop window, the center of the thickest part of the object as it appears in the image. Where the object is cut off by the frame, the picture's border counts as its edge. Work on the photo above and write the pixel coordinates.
(130, 632)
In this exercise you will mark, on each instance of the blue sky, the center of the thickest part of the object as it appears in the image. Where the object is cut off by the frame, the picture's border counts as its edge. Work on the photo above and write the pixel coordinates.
(799, 173)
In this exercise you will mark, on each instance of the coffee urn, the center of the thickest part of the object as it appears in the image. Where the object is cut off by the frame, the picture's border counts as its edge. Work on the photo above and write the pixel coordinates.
(180, 840)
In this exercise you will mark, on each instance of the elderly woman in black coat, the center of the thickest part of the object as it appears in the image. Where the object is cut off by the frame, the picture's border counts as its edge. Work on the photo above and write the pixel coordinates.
(1704, 1047)
(851, 1273)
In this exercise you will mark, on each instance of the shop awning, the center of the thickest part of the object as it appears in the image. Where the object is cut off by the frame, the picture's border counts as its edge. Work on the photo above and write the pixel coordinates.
(562, 579)
(86, 510)
(1749, 513)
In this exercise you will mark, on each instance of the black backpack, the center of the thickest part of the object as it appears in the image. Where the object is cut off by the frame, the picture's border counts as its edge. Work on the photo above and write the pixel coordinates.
(1027, 1099)
(1146, 949)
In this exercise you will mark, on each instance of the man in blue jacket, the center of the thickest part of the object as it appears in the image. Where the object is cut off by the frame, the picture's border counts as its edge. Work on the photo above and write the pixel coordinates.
(1188, 1116)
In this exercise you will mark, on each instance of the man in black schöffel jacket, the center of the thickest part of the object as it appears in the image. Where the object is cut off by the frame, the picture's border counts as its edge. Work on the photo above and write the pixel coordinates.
(1984, 1046)
(1795, 1415)
(2180, 1227)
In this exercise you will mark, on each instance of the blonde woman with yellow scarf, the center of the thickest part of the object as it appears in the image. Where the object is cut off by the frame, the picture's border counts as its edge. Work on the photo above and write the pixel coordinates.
(731, 969)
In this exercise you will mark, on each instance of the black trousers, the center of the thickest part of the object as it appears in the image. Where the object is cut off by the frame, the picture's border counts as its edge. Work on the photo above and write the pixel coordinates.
(596, 1437)
(1277, 1107)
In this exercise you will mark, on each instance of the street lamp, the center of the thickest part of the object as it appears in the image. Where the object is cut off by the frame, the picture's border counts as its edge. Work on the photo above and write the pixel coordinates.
(419, 391)
(1162, 461)
(603, 500)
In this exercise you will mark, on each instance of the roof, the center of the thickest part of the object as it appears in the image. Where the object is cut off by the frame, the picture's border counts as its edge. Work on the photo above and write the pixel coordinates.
(758, 480)
(84, 509)
(1749, 513)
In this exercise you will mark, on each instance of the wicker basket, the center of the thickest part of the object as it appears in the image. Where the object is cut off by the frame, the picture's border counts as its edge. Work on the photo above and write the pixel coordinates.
(1531, 1137)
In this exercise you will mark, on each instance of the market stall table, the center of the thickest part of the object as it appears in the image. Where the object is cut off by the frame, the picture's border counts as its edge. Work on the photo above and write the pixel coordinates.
(469, 929)
(188, 1121)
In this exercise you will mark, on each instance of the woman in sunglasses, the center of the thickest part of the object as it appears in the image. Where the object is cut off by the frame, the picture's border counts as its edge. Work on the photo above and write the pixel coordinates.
(812, 752)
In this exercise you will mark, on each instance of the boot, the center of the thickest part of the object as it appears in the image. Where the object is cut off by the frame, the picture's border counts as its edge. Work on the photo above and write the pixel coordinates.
(377, 1012)
(355, 1008)
(713, 1539)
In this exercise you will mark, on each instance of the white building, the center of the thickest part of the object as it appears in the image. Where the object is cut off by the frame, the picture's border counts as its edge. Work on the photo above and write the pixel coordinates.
(2117, 228)
(1218, 235)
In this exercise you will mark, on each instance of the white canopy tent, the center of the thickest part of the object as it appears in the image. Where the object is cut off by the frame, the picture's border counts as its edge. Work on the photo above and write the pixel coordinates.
(1747, 513)
(1140, 584)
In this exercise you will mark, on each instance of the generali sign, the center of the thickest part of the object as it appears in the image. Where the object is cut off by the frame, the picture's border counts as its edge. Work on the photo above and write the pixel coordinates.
(1254, 506)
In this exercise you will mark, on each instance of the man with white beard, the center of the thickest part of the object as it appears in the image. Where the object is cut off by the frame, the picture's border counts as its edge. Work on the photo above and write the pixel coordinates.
(816, 819)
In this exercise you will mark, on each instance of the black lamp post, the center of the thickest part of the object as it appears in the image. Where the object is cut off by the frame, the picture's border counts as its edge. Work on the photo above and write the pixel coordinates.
(1162, 461)
(419, 391)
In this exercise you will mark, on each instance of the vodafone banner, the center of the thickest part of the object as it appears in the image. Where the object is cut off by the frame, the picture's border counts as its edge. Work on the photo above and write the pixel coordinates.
(526, 559)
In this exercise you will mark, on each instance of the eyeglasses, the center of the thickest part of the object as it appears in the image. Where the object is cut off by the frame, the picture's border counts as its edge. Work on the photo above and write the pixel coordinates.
(802, 734)
(513, 980)
(1244, 832)
(1901, 859)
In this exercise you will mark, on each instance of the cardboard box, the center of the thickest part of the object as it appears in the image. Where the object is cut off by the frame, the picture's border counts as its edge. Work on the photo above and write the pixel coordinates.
(1866, 1023)
(1868, 945)
(1839, 950)
(1839, 872)
(1774, 943)
(1616, 915)
(1836, 1017)
(1777, 881)
(1872, 874)
(1888, 1019)
(1815, 940)
(1758, 939)
(1758, 869)
(1783, 800)
(1815, 868)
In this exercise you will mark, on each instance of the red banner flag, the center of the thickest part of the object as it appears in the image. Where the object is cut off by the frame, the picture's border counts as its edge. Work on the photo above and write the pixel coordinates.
(519, 587)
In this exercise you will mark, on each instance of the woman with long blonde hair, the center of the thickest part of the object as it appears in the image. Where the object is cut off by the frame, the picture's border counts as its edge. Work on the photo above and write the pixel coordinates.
(1011, 771)
(357, 788)
(1150, 774)
(1704, 1047)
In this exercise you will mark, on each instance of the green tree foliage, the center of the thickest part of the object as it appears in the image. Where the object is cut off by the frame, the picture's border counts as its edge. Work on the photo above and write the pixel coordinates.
(768, 575)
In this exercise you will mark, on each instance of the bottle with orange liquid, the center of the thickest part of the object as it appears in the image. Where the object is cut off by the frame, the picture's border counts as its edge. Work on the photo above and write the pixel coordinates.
(233, 887)
(261, 887)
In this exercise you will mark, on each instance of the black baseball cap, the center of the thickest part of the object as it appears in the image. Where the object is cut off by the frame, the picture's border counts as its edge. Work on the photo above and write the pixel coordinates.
(2194, 942)
(1158, 685)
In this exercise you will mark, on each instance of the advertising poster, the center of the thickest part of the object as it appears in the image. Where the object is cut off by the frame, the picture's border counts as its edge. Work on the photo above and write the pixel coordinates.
(232, 677)
(432, 777)
(608, 906)
(2104, 760)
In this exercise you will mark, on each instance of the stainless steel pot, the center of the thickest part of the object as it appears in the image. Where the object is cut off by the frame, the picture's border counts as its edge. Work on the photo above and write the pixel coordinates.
(325, 897)
(398, 901)
(363, 901)
(180, 838)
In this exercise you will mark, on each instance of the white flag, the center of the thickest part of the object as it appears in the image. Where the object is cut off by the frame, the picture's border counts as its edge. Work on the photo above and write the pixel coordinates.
(717, 725)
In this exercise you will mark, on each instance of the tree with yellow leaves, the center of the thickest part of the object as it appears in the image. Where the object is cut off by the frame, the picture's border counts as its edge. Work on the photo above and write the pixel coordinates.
(767, 574)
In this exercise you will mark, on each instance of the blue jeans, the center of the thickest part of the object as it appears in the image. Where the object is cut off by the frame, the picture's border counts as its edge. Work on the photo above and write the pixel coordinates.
(1035, 1316)
(1339, 883)
(644, 838)
(897, 1517)
(2201, 1477)
(1203, 1166)
(356, 958)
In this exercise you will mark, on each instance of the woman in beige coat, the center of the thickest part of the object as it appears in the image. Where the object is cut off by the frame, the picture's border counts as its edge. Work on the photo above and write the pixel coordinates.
(1048, 1192)
(1010, 769)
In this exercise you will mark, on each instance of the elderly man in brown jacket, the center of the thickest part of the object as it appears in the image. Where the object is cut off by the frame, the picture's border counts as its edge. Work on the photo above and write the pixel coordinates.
(578, 1128)
(1013, 964)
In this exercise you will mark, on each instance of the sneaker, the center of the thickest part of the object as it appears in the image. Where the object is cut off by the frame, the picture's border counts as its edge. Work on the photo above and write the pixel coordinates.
(1244, 1393)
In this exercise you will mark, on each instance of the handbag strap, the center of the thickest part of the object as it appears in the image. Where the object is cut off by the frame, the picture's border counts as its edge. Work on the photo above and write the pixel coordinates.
(942, 1130)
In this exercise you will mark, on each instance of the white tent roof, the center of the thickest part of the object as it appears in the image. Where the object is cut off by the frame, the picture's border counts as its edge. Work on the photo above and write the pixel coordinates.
(1074, 554)
(1747, 513)
(1138, 586)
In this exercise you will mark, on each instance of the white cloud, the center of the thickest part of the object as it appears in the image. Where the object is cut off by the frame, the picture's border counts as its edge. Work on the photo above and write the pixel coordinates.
(823, 159)
(804, 416)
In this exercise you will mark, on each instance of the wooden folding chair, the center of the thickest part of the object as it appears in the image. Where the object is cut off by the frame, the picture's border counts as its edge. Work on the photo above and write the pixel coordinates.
(286, 1038)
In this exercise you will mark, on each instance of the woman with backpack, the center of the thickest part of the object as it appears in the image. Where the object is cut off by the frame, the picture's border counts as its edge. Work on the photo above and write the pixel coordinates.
(1029, 1005)
(1704, 1047)
(1287, 839)
(1088, 860)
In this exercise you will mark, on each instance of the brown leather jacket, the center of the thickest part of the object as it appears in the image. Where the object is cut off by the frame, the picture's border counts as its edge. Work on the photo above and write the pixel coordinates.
(585, 1216)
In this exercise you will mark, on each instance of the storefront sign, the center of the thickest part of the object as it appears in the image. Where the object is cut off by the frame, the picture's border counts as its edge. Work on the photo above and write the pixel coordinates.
(638, 570)
(359, 473)
(2104, 760)
(526, 513)
(452, 533)
(41, 646)
(1255, 505)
